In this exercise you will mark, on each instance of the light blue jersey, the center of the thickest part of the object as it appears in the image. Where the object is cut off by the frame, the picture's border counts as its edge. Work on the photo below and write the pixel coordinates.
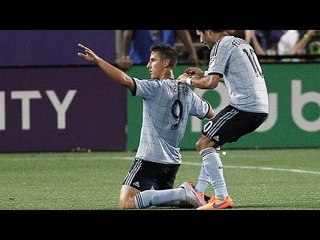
(235, 59)
(166, 106)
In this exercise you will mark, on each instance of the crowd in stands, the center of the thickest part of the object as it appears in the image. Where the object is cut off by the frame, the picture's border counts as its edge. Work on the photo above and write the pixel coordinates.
(269, 45)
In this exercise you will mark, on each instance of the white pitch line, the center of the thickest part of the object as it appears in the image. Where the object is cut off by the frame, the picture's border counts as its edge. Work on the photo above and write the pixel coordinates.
(225, 166)
(249, 167)
(275, 169)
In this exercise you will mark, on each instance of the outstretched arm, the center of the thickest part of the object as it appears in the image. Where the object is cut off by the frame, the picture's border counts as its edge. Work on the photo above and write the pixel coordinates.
(114, 73)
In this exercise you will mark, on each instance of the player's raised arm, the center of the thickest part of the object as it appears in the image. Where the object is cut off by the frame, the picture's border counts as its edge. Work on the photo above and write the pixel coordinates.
(114, 73)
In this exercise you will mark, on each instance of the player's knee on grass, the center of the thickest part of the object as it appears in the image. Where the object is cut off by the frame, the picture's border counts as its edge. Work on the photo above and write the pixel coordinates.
(127, 203)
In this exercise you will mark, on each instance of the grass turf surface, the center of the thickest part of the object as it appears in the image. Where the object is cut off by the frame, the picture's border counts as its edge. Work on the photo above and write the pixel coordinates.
(273, 179)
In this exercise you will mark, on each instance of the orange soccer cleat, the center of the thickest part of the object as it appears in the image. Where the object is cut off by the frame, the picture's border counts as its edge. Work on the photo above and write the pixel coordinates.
(216, 203)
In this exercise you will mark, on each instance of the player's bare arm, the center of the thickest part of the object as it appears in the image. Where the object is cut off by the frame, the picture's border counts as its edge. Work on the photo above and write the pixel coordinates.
(211, 113)
(206, 82)
(114, 73)
(194, 72)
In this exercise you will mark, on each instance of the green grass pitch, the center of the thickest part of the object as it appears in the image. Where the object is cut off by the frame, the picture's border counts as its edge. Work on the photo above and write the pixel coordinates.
(270, 179)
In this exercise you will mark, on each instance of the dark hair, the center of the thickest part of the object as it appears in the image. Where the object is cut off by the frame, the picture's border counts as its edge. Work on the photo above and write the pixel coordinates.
(166, 52)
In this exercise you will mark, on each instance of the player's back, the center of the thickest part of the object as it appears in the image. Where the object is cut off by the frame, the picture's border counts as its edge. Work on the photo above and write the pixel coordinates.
(242, 73)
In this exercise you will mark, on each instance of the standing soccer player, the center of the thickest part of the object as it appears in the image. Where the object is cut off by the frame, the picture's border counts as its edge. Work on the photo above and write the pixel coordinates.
(233, 61)
(166, 107)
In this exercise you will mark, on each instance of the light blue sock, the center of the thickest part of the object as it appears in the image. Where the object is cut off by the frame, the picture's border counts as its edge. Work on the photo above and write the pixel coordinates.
(159, 197)
(214, 168)
(203, 180)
